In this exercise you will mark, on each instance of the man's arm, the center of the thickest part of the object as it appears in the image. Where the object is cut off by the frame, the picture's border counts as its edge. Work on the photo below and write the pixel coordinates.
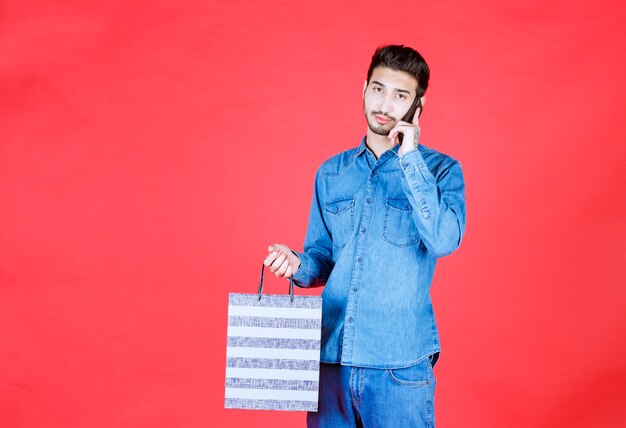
(438, 202)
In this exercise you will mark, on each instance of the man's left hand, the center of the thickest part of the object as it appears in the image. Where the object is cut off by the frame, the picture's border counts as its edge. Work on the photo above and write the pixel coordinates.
(410, 132)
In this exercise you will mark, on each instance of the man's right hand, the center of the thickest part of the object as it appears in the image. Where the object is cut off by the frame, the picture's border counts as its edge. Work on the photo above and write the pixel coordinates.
(281, 260)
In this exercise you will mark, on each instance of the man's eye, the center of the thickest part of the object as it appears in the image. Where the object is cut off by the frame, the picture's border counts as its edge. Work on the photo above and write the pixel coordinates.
(376, 89)
(402, 96)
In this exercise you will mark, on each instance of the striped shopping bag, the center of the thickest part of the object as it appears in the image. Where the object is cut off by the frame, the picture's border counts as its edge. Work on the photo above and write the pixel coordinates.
(273, 352)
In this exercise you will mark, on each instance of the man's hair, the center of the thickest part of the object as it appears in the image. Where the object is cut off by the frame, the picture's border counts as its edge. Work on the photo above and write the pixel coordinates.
(402, 58)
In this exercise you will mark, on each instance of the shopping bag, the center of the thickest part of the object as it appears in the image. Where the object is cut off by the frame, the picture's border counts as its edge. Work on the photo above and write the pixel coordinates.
(273, 351)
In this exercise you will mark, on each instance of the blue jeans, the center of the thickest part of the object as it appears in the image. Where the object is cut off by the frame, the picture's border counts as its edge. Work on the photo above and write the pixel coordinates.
(364, 397)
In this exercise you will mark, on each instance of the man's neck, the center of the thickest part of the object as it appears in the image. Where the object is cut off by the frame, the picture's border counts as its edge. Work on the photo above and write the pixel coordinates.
(378, 144)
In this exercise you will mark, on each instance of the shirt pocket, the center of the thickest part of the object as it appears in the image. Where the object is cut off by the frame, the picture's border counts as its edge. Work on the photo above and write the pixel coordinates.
(340, 216)
(399, 228)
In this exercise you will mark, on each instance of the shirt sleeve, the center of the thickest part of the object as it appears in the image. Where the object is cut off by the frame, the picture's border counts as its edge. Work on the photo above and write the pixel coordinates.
(316, 259)
(438, 202)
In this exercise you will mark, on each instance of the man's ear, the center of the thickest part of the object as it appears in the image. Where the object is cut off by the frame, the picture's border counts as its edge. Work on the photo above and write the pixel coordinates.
(364, 87)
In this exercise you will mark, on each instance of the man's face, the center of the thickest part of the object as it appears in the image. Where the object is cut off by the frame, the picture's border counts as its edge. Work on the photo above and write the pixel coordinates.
(387, 98)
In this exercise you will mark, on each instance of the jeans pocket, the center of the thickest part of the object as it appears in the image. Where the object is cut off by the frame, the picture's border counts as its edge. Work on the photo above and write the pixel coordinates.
(419, 374)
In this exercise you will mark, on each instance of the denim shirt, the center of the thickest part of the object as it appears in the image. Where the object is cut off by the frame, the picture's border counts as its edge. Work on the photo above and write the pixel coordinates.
(376, 229)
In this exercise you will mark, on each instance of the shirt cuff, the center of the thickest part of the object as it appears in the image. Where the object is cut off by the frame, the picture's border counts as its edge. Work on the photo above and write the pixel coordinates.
(412, 161)
(302, 275)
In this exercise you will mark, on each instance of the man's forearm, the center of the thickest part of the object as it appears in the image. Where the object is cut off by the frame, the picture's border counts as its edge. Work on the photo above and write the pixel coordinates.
(438, 203)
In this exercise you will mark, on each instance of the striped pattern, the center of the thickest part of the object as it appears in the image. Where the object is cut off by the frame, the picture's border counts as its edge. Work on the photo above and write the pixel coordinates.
(273, 353)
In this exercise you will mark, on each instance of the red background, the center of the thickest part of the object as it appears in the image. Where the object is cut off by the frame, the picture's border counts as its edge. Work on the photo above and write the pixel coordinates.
(150, 150)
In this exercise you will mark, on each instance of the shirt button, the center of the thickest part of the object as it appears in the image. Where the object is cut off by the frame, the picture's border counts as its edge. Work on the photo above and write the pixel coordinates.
(363, 230)
(350, 319)
(374, 172)
(355, 289)
(368, 201)
(358, 259)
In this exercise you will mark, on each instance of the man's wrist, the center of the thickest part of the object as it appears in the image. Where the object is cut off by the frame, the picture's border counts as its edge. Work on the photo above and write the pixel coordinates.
(299, 259)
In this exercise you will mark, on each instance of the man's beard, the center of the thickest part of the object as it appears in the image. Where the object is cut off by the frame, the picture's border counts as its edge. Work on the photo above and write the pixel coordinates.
(375, 127)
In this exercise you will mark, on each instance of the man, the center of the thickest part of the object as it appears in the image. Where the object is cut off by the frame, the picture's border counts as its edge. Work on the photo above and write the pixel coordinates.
(382, 214)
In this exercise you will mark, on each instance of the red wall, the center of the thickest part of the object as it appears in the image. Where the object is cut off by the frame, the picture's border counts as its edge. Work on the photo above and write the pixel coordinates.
(149, 152)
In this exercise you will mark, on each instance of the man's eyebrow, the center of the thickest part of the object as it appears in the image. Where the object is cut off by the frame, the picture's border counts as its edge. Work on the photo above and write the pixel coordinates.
(376, 82)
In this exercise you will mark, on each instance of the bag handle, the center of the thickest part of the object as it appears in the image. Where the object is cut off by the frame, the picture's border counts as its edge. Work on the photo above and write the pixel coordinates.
(261, 284)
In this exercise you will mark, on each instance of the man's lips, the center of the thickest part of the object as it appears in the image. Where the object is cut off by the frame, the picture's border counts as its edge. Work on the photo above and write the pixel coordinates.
(381, 119)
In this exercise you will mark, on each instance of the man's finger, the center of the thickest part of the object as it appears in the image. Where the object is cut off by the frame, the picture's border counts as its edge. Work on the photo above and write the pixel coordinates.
(416, 117)
(275, 247)
(270, 258)
(394, 132)
(283, 267)
(279, 261)
(400, 126)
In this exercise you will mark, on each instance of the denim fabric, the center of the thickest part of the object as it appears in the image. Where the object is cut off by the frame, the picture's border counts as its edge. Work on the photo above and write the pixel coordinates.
(365, 397)
(376, 229)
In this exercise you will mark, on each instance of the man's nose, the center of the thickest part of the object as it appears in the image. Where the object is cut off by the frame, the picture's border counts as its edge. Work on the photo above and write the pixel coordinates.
(386, 105)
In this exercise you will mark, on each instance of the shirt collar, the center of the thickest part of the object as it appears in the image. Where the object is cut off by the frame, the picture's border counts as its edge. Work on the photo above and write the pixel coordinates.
(363, 147)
